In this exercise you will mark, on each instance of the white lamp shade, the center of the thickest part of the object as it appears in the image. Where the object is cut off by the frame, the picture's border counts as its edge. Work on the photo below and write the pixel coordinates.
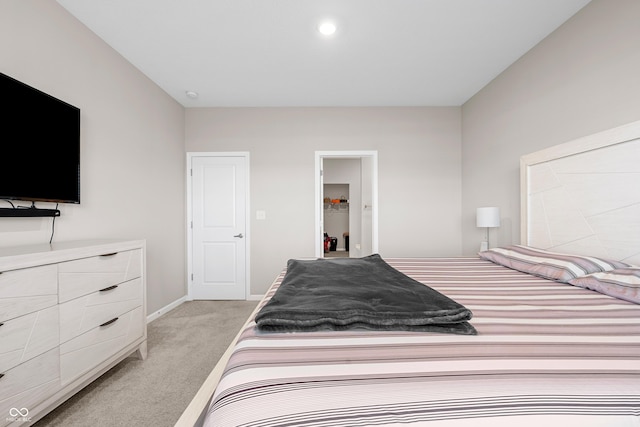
(488, 217)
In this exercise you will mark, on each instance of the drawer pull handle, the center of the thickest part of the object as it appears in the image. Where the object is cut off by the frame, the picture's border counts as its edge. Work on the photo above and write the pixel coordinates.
(111, 254)
(109, 322)
(1, 375)
(109, 288)
(1, 324)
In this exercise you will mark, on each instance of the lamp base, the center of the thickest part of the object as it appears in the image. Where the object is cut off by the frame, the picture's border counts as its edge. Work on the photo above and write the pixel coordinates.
(484, 246)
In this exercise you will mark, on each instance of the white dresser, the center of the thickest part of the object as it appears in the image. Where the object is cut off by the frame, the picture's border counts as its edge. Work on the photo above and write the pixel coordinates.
(68, 312)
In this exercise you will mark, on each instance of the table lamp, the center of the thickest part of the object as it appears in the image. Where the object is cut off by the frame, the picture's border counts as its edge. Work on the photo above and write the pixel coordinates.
(487, 217)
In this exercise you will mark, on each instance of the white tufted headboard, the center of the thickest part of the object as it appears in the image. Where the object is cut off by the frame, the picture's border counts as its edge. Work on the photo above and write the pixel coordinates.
(583, 197)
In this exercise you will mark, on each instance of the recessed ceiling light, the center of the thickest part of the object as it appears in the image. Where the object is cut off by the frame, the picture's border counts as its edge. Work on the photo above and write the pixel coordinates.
(191, 94)
(327, 28)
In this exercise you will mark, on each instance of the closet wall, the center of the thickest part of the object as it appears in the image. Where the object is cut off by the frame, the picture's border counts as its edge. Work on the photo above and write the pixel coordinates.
(336, 215)
(342, 175)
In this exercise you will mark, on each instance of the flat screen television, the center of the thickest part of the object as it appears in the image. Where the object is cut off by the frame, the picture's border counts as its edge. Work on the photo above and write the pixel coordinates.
(39, 145)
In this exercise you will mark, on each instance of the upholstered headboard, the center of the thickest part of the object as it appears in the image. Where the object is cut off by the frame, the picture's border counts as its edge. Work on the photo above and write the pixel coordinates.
(583, 197)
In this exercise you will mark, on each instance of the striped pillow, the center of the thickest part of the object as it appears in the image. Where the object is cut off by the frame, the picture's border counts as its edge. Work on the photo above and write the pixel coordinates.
(622, 283)
(550, 265)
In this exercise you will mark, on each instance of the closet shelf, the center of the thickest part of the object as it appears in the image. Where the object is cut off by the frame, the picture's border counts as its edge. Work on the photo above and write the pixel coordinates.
(336, 206)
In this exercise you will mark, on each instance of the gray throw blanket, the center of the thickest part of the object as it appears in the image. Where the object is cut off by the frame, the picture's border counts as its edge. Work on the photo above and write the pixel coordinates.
(356, 293)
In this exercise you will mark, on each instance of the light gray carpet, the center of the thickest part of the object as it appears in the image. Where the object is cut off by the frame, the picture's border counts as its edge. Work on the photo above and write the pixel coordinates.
(183, 346)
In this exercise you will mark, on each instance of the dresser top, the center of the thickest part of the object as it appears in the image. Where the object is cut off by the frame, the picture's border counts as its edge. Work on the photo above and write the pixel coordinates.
(14, 257)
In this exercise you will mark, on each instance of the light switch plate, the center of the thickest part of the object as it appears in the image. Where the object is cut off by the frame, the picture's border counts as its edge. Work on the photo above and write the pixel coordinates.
(261, 215)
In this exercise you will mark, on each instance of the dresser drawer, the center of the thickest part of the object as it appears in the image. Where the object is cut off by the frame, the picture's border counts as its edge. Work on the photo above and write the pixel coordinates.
(88, 350)
(84, 276)
(28, 336)
(27, 290)
(82, 314)
(28, 384)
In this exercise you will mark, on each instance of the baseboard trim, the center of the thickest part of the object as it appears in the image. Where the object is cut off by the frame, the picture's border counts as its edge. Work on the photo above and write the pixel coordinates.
(167, 308)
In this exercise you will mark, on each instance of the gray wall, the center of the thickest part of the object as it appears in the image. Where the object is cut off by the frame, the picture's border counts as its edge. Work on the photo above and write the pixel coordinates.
(132, 151)
(583, 78)
(418, 167)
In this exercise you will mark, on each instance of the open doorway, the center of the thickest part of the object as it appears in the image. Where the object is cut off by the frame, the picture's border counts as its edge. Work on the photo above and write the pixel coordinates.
(358, 169)
(336, 208)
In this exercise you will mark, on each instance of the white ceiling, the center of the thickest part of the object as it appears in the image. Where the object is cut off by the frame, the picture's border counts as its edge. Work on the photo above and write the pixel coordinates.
(254, 53)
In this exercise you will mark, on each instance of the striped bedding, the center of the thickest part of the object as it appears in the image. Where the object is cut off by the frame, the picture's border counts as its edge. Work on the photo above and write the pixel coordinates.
(546, 352)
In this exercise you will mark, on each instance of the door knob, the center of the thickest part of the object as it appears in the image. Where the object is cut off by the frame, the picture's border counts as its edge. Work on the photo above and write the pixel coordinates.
(239, 235)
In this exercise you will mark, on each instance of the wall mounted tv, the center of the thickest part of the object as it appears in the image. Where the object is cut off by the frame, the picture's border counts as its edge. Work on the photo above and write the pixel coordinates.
(39, 145)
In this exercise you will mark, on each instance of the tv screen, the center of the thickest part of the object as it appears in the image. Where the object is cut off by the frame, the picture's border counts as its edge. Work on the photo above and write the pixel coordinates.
(39, 145)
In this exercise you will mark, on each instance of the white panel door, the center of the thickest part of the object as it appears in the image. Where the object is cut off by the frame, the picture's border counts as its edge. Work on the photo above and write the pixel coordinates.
(219, 227)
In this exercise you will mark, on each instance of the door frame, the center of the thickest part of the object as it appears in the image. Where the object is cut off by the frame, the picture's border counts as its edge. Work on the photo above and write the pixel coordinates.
(319, 214)
(189, 217)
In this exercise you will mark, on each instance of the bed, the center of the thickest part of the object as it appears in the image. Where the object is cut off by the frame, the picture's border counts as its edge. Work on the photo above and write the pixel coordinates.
(557, 321)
